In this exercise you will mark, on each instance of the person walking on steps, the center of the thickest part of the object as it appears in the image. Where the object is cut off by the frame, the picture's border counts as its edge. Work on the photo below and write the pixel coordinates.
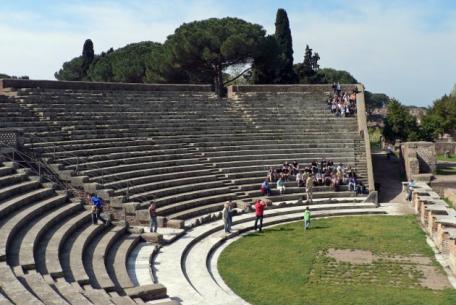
(97, 209)
(226, 213)
(153, 217)
(259, 212)
(306, 218)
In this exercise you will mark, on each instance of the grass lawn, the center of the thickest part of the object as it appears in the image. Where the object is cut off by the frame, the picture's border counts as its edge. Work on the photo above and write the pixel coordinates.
(450, 170)
(452, 158)
(287, 265)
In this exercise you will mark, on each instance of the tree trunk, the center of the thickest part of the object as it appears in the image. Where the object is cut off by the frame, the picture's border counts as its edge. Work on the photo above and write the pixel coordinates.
(218, 81)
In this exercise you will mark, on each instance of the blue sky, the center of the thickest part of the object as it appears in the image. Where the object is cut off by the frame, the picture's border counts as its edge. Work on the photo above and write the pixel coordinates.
(405, 49)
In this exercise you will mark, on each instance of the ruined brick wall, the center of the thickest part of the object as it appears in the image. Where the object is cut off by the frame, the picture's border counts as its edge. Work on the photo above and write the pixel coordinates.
(442, 147)
(419, 159)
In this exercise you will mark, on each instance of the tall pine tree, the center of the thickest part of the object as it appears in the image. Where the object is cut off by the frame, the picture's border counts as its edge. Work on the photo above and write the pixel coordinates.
(286, 74)
(88, 55)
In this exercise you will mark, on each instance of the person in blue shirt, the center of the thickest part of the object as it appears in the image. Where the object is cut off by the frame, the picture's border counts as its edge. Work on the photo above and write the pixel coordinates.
(97, 209)
(265, 187)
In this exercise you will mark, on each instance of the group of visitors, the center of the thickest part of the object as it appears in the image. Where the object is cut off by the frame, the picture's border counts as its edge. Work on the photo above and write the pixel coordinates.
(259, 206)
(342, 103)
(317, 173)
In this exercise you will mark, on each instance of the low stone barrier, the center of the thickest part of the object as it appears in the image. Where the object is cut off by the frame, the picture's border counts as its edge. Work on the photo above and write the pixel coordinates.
(50, 84)
(438, 220)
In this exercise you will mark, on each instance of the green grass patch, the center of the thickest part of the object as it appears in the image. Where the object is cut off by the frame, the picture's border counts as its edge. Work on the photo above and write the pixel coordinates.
(287, 265)
(452, 158)
(449, 202)
(447, 171)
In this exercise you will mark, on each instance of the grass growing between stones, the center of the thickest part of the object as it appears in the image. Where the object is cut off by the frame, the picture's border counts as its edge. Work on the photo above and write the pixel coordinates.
(287, 265)
(451, 158)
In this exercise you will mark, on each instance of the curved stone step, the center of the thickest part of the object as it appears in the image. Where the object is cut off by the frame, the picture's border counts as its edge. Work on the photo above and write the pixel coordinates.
(101, 278)
(73, 296)
(13, 289)
(57, 241)
(118, 257)
(18, 188)
(14, 203)
(77, 271)
(29, 245)
(42, 290)
(24, 218)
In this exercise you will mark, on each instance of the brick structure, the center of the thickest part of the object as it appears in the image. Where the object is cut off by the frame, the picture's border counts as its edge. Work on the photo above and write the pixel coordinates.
(419, 160)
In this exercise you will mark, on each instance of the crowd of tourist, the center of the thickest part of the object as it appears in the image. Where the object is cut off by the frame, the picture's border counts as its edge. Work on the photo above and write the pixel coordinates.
(342, 103)
(317, 173)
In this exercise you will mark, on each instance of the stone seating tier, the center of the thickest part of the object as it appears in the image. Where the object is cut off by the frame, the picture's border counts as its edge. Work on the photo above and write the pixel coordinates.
(48, 248)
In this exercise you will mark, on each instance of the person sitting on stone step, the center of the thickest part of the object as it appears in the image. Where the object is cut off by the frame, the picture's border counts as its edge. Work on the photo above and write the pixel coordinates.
(265, 187)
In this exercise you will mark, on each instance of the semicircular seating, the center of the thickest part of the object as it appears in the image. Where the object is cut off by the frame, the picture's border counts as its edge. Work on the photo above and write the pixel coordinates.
(185, 148)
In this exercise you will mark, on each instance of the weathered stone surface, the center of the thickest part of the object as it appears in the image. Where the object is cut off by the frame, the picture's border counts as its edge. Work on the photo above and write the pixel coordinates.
(135, 230)
(131, 207)
(147, 292)
(155, 238)
(176, 223)
(142, 216)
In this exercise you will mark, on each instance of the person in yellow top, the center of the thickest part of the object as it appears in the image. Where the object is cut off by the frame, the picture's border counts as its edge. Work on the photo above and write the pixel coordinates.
(309, 188)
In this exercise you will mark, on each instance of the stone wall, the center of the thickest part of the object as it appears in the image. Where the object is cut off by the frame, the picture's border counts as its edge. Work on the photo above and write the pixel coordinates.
(443, 147)
(438, 220)
(362, 129)
(419, 160)
(50, 84)
(232, 90)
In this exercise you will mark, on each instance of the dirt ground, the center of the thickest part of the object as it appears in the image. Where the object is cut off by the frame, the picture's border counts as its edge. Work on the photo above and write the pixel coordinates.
(419, 268)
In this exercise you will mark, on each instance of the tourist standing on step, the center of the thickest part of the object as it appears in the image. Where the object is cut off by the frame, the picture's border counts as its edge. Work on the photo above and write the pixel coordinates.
(259, 212)
(97, 209)
(410, 187)
(309, 188)
(281, 185)
(226, 213)
(307, 218)
(153, 217)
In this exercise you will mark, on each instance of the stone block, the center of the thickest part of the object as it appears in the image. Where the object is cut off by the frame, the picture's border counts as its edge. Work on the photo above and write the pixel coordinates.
(175, 223)
(161, 221)
(142, 216)
(135, 230)
(147, 292)
(154, 238)
(131, 207)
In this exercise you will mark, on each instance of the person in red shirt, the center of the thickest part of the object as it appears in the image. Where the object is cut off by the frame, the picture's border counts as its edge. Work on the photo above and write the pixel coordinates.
(259, 211)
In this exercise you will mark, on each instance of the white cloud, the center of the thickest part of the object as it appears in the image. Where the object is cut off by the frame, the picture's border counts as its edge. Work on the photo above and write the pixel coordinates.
(392, 48)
